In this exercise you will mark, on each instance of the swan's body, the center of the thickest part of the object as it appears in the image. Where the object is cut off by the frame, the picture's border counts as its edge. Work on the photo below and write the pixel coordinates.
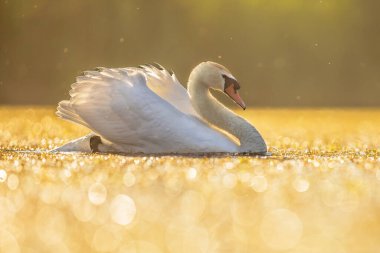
(146, 110)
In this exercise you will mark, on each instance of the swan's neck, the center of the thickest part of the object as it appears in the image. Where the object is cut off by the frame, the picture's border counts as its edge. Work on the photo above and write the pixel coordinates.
(217, 114)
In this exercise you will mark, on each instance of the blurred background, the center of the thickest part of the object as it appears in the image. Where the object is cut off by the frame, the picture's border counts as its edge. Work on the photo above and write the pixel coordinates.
(322, 53)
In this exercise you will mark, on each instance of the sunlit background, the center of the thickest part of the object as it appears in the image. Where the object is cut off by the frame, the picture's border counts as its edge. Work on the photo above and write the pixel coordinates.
(319, 191)
(285, 53)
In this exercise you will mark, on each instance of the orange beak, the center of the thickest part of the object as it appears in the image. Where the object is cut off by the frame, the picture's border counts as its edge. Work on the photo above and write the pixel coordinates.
(234, 95)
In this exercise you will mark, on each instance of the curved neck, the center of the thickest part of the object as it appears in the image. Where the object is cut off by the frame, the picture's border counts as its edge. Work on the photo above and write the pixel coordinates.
(217, 114)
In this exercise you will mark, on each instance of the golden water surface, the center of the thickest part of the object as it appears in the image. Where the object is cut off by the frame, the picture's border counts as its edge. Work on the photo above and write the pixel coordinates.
(318, 192)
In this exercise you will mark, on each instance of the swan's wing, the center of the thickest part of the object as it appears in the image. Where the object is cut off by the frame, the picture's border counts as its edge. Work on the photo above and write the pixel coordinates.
(166, 85)
(118, 105)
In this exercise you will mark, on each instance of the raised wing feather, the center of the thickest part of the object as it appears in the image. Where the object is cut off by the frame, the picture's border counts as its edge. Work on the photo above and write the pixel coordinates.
(166, 85)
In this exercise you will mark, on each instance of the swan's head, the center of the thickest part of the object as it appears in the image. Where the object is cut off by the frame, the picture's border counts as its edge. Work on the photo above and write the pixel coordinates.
(218, 77)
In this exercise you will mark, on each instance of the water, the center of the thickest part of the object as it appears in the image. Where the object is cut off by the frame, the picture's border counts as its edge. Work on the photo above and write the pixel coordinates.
(318, 192)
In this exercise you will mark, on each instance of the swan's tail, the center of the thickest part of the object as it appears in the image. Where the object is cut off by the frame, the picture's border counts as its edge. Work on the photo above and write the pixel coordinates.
(67, 112)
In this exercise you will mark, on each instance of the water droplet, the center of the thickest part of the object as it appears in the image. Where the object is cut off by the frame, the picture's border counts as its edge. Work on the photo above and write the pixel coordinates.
(121, 40)
(97, 194)
(65, 50)
(122, 209)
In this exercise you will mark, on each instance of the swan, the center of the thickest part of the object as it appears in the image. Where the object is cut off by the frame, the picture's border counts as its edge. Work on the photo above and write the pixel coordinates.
(146, 110)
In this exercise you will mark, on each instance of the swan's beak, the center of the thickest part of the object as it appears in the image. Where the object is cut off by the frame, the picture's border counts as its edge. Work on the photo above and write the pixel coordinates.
(234, 95)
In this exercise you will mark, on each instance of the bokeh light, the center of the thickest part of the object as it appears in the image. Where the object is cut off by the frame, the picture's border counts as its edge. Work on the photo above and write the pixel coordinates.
(122, 209)
(314, 194)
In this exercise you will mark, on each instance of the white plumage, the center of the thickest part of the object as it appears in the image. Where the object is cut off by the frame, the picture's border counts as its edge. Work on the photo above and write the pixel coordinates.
(139, 110)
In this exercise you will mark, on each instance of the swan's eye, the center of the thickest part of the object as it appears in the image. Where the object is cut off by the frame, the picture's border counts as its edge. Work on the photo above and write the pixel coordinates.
(228, 81)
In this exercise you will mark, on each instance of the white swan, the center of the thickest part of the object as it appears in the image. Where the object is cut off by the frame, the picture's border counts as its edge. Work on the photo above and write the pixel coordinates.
(146, 110)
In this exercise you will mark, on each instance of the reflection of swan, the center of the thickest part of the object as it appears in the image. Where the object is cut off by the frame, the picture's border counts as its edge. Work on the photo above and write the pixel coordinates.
(146, 110)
